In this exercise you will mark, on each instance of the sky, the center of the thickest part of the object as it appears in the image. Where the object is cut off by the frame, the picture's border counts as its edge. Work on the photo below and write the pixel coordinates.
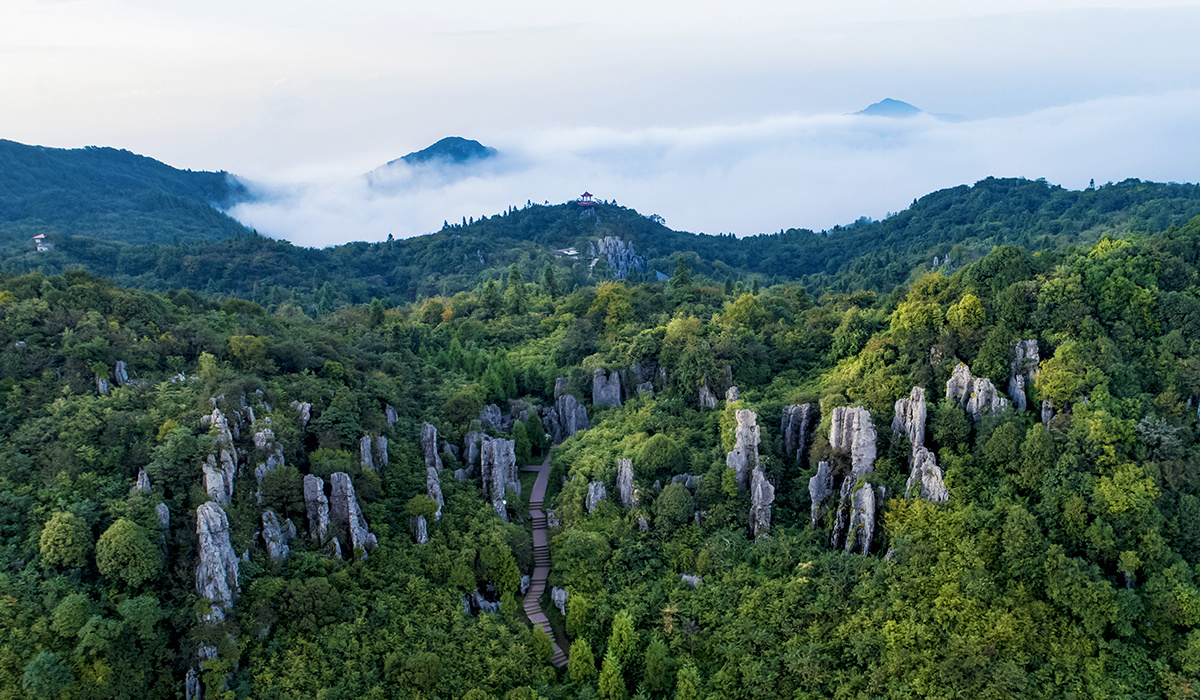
(721, 117)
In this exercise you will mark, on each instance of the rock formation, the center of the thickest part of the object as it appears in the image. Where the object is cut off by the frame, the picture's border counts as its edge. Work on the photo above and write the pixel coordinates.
(691, 579)
(622, 259)
(820, 488)
(274, 537)
(381, 451)
(391, 415)
(420, 528)
(221, 465)
(560, 387)
(490, 417)
(707, 400)
(217, 570)
(606, 388)
(364, 453)
(559, 597)
(472, 451)
(1024, 372)
(164, 517)
(429, 445)
(853, 431)
(629, 493)
(346, 516)
(142, 483)
(121, 374)
(645, 389)
(1048, 412)
(731, 394)
(976, 394)
(796, 429)
(862, 520)
(304, 410)
(433, 489)
(565, 418)
(762, 495)
(499, 471)
(269, 455)
(744, 456)
(101, 385)
(691, 482)
(191, 686)
(596, 493)
(316, 506)
(910, 417)
(925, 480)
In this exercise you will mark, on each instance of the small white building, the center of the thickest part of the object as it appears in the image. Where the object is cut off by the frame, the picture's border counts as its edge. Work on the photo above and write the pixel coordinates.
(42, 244)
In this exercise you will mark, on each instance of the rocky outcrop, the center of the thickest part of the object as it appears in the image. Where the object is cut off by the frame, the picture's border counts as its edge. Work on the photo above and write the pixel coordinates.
(744, 456)
(101, 385)
(274, 537)
(142, 483)
(346, 517)
(433, 489)
(629, 493)
(596, 493)
(1048, 412)
(707, 400)
(925, 480)
(853, 431)
(691, 579)
(820, 488)
(561, 388)
(762, 495)
(622, 259)
(381, 451)
(220, 466)
(429, 445)
(691, 482)
(1024, 372)
(559, 597)
(565, 418)
(976, 394)
(191, 686)
(218, 483)
(490, 418)
(217, 570)
(472, 451)
(164, 517)
(304, 411)
(121, 373)
(862, 520)
(391, 415)
(910, 417)
(646, 389)
(731, 394)
(796, 429)
(420, 528)
(316, 507)
(268, 454)
(499, 471)
(606, 388)
(364, 453)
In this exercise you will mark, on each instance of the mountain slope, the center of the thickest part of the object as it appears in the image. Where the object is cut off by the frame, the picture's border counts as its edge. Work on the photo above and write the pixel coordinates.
(452, 149)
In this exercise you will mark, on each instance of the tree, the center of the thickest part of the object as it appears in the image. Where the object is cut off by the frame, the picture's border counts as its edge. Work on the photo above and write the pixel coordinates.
(612, 682)
(46, 675)
(550, 281)
(126, 552)
(491, 299)
(623, 639)
(673, 507)
(514, 296)
(687, 683)
(682, 279)
(582, 665)
(657, 666)
(66, 541)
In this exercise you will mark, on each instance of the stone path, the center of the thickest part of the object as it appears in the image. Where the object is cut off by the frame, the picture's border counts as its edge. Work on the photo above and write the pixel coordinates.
(541, 558)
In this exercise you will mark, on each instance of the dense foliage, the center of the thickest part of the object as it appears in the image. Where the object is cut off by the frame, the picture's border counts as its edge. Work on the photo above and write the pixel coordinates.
(1065, 562)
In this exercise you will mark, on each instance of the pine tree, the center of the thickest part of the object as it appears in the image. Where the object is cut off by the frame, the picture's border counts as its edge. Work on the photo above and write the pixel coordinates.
(514, 297)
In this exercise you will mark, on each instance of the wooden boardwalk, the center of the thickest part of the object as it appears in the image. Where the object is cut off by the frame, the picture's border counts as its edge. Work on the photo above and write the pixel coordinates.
(541, 558)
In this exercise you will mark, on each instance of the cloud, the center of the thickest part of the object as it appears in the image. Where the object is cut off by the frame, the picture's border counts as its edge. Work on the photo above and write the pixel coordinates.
(810, 171)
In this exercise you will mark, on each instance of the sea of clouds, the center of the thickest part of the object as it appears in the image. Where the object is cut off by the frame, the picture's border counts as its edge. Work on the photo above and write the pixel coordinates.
(804, 171)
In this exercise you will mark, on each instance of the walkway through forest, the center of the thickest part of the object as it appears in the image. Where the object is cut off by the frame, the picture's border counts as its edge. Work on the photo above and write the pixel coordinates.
(541, 558)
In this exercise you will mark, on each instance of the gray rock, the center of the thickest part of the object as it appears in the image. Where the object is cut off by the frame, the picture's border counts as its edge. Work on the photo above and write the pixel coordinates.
(191, 686)
(381, 451)
(217, 570)
(217, 482)
(559, 597)
(101, 386)
(762, 495)
(429, 445)
(691, 482)
(121, 374)
(142, 483)
(164, 517)
(707, 400)
(842, 519)
(565, 418)
(853, 431)
(862, 520)
(622, 259)
(958, 387)
(461, 475)
(484, 605)
(731, 394)
(304, 410)
(744, 456)
(273, 537)
(499, 471)
(691, 580)
(346, 517)
(606, 388)
(910, 417)
(1024, 371)
(552, 520)
(420, 528)
(433, 489)
(452, 449)
(629, 494)
(976, 394)
(364, 453)
(796, 429)
(645, 389)
(560, 387)
(392, 416)
(596, 493)
(269, 454)
(1048, 412)
(925, 480)
(643, 524)
(523, 588)
(472, 451)
(221, 465)
(490, 417)
(820, 488)
(316, 506)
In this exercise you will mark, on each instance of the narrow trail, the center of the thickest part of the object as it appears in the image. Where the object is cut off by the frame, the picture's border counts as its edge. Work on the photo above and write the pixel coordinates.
(541, 558)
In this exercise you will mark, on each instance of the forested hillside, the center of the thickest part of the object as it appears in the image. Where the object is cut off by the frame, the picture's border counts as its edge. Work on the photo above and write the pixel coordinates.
(107, 194)
(806, 466)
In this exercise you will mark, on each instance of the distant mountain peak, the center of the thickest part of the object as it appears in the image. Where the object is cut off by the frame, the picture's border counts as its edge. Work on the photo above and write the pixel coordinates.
(452, 149)
(890, 108)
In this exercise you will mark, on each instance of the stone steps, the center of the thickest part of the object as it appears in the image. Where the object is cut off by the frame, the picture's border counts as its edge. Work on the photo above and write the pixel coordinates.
(541, 561)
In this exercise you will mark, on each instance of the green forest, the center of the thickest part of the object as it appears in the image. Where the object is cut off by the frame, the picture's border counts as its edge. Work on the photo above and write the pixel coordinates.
(804, 465)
